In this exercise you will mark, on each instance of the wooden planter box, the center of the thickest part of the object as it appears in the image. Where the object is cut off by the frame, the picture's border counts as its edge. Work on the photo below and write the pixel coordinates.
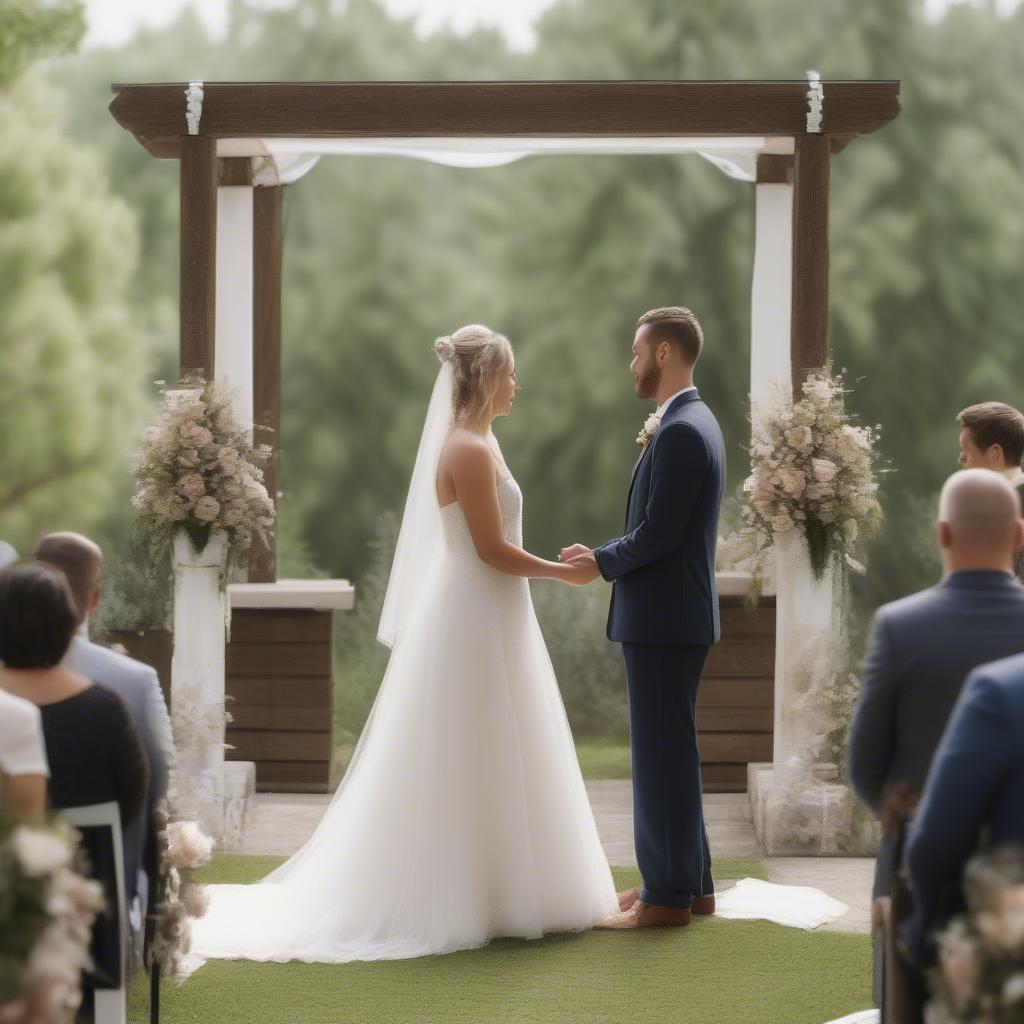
(279, 688)
(736, 700)
(279, 679)
(280, 693)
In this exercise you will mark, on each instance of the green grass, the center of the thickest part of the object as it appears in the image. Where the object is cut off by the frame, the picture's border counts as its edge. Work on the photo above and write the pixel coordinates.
(599, 759)
(714, 972)
(242, 868)
(603, 759)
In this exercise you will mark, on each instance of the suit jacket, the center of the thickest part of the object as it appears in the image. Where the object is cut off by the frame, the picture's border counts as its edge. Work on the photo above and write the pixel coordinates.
(1020, 554)
(921, 650)
(139, 688)
(663, 568)
(977, 781)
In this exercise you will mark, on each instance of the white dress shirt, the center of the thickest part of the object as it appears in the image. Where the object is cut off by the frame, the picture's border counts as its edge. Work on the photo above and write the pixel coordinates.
(22, 751)
(660, 411)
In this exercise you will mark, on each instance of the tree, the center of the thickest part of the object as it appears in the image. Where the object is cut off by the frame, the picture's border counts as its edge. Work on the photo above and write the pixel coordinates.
(30, 29)
(72, 361)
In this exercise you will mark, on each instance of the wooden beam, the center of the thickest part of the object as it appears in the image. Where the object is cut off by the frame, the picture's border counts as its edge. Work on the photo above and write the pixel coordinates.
(198, 254)
(774, 169)
(809, 330)
(268, 242)
(234, 170)
(155, 113)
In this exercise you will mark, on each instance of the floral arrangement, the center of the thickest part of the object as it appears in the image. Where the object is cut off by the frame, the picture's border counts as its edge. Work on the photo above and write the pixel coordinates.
(198, 471)
(980, 974)
(48, 909)
(814, 470)
(184, 848)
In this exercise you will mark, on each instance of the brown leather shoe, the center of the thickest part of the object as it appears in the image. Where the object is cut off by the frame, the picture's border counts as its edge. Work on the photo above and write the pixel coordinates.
(702, 905)
(648, 915)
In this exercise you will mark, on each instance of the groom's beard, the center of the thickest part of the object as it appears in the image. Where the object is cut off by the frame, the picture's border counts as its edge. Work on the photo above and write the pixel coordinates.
(648, 381)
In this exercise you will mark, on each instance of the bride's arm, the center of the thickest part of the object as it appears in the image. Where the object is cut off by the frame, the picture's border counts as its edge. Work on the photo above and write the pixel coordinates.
(472, 470)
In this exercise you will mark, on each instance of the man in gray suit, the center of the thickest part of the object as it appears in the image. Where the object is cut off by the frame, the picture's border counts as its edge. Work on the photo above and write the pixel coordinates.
(82, 562)
(922, 648)
(992, 437)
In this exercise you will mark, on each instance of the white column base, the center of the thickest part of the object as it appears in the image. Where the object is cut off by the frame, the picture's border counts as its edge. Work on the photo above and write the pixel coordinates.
(818, 817)
(239, 802)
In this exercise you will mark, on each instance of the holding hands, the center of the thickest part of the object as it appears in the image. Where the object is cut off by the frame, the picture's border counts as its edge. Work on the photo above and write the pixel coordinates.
(580, 558)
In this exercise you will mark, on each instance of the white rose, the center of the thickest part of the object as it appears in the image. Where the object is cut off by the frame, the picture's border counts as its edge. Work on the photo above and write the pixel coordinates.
(824, 470)
(960, 966)
(206, 509)
(652, 423)
(40, 853)
(1013, 989)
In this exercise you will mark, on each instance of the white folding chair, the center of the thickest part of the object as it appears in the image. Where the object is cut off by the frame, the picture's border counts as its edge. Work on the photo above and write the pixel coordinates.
(111, 1004)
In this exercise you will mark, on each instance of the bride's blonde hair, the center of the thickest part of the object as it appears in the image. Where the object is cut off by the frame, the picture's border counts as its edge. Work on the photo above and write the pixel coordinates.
(480, 358)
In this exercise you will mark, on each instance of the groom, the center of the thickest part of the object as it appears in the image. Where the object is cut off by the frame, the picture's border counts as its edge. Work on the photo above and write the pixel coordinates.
(664, 612)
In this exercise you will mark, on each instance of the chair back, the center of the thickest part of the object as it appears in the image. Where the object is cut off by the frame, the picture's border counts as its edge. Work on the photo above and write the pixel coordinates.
(100, 828)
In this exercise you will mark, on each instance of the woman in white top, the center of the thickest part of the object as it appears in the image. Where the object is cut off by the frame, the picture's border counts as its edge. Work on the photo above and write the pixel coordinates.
(23, 767)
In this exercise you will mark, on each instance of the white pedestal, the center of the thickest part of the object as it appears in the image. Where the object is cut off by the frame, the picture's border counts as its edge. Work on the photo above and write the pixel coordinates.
(197, 682)
(815, 817)
(239, 799)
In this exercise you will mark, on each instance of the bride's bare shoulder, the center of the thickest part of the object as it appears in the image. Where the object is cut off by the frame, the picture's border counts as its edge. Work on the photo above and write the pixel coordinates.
(465, 450)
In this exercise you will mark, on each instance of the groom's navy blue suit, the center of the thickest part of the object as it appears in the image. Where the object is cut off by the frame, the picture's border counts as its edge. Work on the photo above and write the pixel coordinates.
(664, 612)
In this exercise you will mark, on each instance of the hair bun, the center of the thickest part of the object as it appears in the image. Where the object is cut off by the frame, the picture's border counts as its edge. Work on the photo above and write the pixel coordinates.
(445, 348)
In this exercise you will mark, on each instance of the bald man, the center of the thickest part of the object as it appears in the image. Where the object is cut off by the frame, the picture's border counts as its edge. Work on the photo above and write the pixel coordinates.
(136, 683)
(922, 648)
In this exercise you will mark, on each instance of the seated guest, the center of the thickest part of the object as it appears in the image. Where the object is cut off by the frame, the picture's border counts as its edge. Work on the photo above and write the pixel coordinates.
(135, 683)
(923, 646)
(992, 437)
(92, 747)
(23, 768)
(976, 783)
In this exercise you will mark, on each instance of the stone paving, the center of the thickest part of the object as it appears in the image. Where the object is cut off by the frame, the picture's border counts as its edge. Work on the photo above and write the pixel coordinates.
(282, 822)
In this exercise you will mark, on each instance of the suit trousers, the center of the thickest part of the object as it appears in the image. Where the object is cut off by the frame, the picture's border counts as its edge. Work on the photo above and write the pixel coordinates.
(669, 832)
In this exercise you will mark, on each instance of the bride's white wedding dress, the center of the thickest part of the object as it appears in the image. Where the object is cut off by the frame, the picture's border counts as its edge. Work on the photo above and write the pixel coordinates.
(463, 816)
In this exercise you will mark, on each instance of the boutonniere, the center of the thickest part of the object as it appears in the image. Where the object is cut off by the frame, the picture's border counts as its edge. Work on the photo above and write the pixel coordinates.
(647, 431)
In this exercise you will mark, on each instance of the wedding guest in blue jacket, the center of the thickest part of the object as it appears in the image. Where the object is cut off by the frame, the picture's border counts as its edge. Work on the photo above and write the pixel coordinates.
(922, 648)
(975, 789)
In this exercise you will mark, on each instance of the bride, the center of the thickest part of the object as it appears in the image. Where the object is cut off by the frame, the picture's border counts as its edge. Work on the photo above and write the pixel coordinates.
(462, 815)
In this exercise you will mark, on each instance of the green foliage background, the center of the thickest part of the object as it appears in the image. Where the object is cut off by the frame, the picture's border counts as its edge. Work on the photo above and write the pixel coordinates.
(562, 254)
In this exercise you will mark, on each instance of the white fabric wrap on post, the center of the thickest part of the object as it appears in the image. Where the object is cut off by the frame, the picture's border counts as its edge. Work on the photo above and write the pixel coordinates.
(805, 646)
(197, 679)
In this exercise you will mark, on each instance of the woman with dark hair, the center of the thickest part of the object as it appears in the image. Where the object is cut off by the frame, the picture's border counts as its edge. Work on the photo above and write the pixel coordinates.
(94, 752)
(92, 746)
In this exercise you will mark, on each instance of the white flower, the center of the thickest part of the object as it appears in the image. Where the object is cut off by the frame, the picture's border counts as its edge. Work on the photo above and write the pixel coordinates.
(1013, 989)
(824, 470)
(192, 485)
(40, 852)
(648, 430)
(193, 435)
(187, 845)
(206, 509)
(960, 966)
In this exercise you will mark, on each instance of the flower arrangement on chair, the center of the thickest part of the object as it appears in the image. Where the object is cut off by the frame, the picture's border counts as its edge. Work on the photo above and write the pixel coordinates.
(980, 974)
(48, 908)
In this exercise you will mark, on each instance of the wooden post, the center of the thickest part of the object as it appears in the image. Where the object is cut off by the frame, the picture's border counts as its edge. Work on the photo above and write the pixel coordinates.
(809, 328)
(268, 238)
(198, 253)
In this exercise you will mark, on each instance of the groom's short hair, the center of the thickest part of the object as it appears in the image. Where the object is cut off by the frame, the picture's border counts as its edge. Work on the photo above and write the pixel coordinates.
(676, 325)
(996, 423)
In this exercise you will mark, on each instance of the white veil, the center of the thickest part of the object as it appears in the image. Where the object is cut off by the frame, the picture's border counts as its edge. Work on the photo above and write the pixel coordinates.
(419, 538)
